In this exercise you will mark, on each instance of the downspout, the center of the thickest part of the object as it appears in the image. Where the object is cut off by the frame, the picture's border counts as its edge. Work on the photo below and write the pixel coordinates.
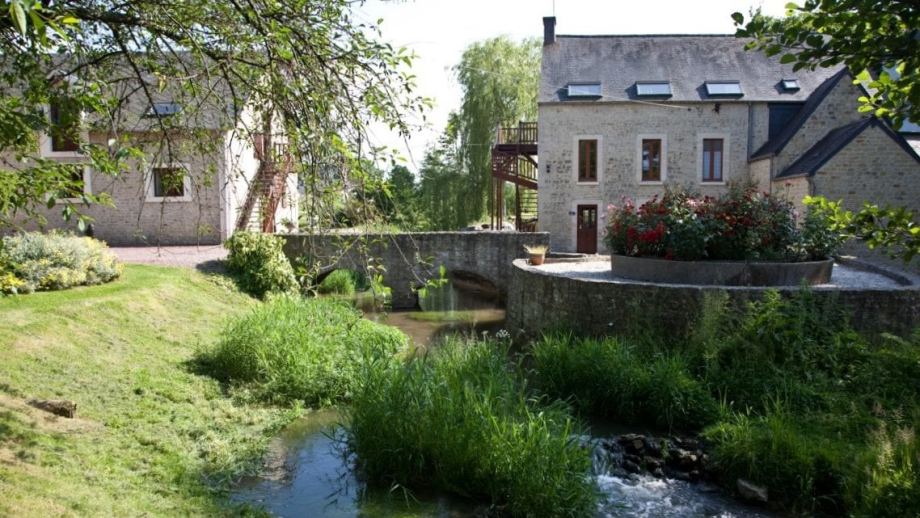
(750, 135)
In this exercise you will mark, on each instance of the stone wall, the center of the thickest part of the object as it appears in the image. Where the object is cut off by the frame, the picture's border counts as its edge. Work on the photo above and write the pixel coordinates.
(136, 220)
(617, 127)
(839, 108)
(537, 300)
(411, 259)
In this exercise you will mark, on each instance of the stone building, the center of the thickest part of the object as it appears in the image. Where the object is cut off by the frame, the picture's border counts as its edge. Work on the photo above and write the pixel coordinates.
(205, 172)
(624, 115)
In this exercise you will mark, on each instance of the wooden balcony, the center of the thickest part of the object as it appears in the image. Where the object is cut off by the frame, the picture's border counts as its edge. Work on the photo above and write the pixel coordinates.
(520, 139)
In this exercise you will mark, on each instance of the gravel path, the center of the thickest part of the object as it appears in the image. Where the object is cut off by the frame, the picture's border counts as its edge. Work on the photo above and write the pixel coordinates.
(204, 257)
(599, 271)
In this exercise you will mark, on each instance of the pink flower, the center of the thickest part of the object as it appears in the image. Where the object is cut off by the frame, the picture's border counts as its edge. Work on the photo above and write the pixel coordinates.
(788, 183)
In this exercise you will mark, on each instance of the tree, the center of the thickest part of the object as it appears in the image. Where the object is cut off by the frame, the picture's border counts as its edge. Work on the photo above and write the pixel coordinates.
(499, 78)
(306, 63)
(878, 40)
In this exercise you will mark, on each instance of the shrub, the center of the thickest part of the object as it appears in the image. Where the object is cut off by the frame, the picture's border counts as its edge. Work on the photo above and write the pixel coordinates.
(54, 261)
(743, 224)
(297, 349)
(259, 264)
(462, 420)
(344, 282)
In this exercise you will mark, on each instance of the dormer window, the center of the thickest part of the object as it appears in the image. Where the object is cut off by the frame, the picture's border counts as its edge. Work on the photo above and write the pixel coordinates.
(653, 89)
(163, 110)
(724, 88)
(791, 85)
(584, 90)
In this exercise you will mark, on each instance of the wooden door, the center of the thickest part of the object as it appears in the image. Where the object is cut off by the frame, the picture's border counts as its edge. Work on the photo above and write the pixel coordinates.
(586, 237)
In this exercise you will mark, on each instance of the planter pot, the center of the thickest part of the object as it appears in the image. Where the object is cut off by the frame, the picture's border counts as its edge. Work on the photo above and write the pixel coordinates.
(721, 273)
(537, 259)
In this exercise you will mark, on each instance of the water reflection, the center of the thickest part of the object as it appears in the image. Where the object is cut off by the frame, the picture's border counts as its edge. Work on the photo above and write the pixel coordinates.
(452, 308)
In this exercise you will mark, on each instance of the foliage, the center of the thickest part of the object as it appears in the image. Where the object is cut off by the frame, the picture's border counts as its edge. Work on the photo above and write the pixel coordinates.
(866, 36)
(258, 263)
(536, 249)
(821, 416)
(742, 224)
(499, 78)
(293, 349)
(614, 379)
(304, 65)
(344, 282)
(123, 352)
(33, 261)
(463, 420)
(893, 228)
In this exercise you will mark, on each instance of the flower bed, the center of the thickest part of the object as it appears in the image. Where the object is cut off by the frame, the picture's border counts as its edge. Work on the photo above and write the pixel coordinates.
(745, 224)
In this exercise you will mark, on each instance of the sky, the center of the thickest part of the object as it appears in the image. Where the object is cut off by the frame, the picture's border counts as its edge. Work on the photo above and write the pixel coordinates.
(438, 31)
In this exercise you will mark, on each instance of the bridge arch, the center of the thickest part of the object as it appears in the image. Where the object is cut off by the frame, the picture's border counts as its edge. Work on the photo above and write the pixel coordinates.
(407, 260)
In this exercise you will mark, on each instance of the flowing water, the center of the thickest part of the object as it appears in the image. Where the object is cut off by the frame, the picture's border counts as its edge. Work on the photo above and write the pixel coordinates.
(308, 472)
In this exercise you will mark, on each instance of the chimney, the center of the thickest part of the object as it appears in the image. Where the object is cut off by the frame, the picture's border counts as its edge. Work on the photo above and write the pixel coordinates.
(549, 30)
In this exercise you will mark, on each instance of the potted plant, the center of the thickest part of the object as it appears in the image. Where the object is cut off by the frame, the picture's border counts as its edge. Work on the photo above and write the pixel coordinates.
(537, 253)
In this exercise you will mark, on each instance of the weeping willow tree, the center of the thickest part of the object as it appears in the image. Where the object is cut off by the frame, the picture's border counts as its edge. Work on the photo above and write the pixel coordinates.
(499, 78)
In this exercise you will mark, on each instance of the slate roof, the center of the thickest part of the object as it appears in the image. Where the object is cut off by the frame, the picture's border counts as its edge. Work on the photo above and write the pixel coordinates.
(687, 61)
(812, 160)
(779, 142)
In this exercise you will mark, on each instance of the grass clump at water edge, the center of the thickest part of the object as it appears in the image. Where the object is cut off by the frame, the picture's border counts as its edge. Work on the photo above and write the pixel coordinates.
(463, 420)
(301, 349)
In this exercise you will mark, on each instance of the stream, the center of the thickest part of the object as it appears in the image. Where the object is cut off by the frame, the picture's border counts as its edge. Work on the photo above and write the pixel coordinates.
(308, 473)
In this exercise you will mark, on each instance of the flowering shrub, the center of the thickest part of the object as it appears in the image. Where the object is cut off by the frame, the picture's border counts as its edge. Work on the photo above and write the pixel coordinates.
(743, 224)
(55, 261)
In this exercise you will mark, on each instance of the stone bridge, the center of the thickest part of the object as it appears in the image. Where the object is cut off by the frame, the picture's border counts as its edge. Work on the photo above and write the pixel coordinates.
(410, 259)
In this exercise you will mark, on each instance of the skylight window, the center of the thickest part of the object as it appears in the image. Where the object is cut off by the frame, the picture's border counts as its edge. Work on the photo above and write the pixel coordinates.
(585, 90)
(653, 89)
(163, 110)
(790, 85)
(723, 88)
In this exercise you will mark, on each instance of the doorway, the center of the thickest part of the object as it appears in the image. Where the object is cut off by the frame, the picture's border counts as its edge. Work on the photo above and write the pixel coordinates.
(586, 236)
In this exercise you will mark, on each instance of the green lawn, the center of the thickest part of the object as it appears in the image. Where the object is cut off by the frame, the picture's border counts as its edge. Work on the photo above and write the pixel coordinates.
(151, 437)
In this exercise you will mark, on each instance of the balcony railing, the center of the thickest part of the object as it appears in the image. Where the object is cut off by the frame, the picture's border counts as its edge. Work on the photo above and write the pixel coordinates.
(523, 133)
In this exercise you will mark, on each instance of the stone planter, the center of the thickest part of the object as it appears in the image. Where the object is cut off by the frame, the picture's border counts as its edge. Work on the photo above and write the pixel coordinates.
(721, 273)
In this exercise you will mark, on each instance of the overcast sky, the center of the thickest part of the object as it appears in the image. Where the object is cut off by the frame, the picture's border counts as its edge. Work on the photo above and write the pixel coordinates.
(438, 31)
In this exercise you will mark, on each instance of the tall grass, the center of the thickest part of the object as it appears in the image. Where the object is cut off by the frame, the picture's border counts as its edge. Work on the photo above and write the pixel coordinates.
(613, 378)
(820, 415)
(299, 349)
(463, 420)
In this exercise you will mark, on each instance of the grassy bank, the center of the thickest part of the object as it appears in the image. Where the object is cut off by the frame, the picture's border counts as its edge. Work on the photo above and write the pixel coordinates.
(151, 436)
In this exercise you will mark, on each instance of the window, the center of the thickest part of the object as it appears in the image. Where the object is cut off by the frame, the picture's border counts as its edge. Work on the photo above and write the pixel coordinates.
(168, 182)
(724, 89)
(791, 85)
(75, 183)
(712, 159)
(653, 88)
(64, 128)
(163, 110)
(584, 90)
(587, 160)
(651, 160)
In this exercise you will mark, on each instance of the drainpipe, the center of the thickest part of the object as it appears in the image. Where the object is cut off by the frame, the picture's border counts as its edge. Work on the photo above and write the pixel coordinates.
(750, 135)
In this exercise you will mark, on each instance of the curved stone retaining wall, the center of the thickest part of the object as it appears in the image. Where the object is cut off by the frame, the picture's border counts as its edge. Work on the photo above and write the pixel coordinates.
(538, 299)
(721, 273)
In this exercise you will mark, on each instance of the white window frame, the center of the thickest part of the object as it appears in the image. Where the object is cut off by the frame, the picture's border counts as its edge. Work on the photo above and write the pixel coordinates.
(600, 158)
(87, 185)
(44, 139)
(186, 183)
(663, 137)
(726, 156)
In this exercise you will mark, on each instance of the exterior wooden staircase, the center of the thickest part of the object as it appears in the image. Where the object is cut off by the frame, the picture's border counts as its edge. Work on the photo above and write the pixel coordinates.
(514, 160)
